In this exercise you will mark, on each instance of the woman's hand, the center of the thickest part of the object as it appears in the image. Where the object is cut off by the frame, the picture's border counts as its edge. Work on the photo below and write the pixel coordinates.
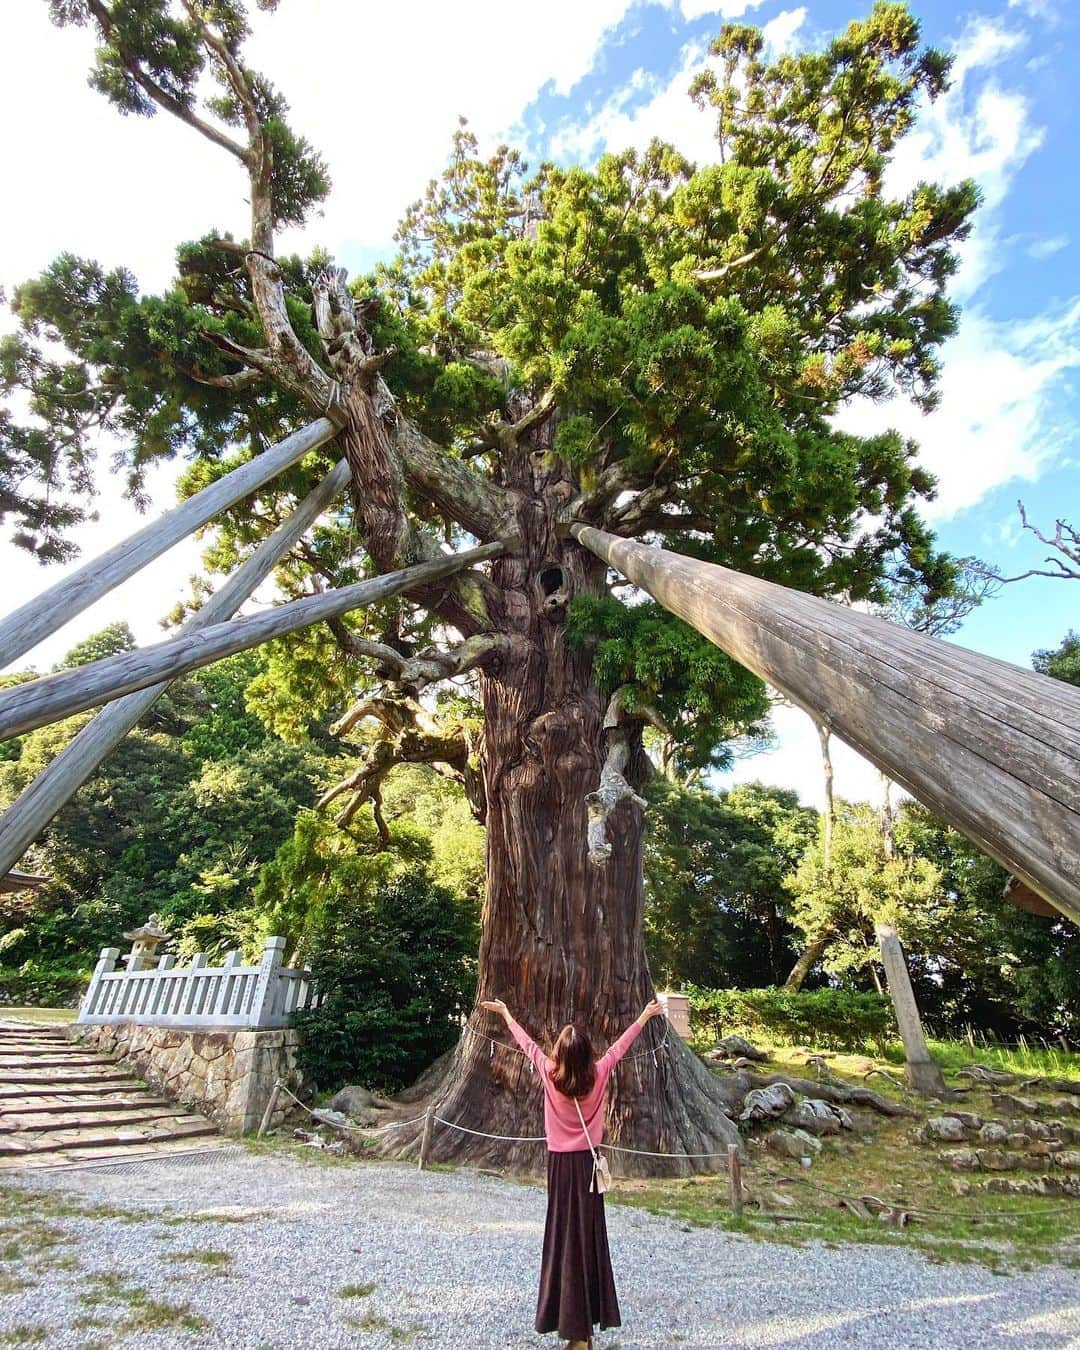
(651, 1010)
(496, 1005)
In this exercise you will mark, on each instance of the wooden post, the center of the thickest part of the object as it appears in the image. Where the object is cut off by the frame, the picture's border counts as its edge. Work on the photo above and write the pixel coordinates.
(35, 620)
(923, 1073)
(734, 1167)
(57, 696)
(425, 1138)
(271, 1107)
(24, 820)
(992, 749)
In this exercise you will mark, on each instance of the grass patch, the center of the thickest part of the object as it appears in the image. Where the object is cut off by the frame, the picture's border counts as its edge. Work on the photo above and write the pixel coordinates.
(10, 1283)
(207, 1256)
(355, 1290)
(1001, 1232)
(145, 1313)
(370, 1322)
(24, 1335)
(179, 1220)
(39, 1017)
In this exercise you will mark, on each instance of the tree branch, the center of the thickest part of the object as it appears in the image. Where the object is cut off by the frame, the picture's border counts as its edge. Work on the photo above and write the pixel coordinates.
(410, 735)
(160, 96)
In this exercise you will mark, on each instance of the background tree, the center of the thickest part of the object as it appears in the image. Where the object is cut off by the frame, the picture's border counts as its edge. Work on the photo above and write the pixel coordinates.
(649, 346)
(864, 885)
(716, 910)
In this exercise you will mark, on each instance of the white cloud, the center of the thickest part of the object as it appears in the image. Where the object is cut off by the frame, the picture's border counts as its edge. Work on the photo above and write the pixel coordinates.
(995, 421)
(668, 114)
(780, 34)
(987, 135)
(1046, 248)
(726, 9)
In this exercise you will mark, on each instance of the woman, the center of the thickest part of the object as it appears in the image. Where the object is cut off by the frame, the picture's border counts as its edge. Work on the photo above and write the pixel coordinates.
(577, 1288)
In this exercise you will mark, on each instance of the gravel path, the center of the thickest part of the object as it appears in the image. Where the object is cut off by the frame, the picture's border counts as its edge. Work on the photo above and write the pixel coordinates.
(453, 1257)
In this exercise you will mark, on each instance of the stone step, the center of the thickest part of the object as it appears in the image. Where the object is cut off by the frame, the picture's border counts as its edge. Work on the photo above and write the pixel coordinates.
(68, 1102)
(68, 1059)
(55, 1140)
(75, 1157)
(78, 1073)
(15, 1089)
(123, 1115)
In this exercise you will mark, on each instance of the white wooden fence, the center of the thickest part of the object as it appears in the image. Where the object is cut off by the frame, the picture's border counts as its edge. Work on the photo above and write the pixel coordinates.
(198, 995)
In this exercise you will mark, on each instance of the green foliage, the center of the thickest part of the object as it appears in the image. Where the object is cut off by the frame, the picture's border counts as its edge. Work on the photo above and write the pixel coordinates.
(824, 1019)
(716, 911)
(45, 984)
(178, 819)
(704, 697)
(862, 885)
(1062, 662)
(110, 641)
(394, 964)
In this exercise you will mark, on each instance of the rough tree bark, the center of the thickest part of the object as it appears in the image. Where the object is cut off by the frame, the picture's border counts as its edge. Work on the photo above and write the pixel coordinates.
(562, 936)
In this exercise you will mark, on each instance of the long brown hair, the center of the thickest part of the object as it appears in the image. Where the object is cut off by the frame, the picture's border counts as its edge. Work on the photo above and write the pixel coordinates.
(575, 1068)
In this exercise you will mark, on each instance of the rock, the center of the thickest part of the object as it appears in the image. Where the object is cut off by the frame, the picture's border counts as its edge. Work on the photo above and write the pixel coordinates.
(793, 1144)
(1063, 1106)
(1017, 1139)
(818, 1117)
(1069, 1158)
(355, 1099)
(960, 1159)
(949, 1129)
(737, 1047)
(1057, 1186)
(998, 1160)
(993, 1133)
(1016, 1106)
(968, 1119)
(767, 1103)
(336, 1118)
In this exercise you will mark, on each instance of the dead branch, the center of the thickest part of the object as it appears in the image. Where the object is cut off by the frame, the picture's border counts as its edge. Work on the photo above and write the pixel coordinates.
(622, 722)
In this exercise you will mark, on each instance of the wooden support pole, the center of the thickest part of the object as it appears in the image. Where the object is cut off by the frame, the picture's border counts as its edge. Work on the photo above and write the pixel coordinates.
(923, 1073)
(271, 1107)
(33, 622)
(425, 1138)
(28, 815)
(56, 696)
(991, 748)
(734, 1168)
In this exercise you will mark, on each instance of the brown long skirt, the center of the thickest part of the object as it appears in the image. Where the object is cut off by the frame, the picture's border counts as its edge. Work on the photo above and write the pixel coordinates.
(577, 1288)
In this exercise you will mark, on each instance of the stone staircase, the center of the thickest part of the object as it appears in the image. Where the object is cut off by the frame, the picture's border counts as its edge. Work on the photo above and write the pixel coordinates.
(61, 1104)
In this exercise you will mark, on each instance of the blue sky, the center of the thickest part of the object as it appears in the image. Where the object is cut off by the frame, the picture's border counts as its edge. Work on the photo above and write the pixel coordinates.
(582, 78)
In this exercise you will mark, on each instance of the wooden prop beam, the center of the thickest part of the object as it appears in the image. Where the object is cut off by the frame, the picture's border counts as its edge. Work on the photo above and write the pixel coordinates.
(33, 622)
(28, 815)
(53, 697)
(991, 748)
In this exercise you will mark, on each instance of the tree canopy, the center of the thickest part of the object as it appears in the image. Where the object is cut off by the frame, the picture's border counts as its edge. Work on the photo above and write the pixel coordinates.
(684, 333)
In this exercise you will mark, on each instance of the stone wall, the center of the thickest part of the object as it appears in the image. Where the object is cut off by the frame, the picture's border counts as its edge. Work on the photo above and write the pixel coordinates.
(227, 1075)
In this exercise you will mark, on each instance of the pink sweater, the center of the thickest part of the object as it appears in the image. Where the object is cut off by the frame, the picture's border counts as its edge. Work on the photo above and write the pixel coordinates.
(561, 1124)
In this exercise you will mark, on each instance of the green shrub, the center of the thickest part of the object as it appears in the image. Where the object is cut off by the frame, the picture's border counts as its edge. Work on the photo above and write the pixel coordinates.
(394, 965)
(42, 984)
(827, 1019)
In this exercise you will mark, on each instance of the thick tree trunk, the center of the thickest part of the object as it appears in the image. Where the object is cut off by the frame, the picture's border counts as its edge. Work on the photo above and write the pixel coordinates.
(805, 964)
(562, 936)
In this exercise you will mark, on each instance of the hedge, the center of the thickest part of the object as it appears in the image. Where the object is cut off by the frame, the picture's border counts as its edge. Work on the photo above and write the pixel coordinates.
(42, 984)
(826, 1019)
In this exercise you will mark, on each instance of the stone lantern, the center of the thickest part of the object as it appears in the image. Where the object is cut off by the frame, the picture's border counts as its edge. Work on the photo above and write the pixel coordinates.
(144, 943)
